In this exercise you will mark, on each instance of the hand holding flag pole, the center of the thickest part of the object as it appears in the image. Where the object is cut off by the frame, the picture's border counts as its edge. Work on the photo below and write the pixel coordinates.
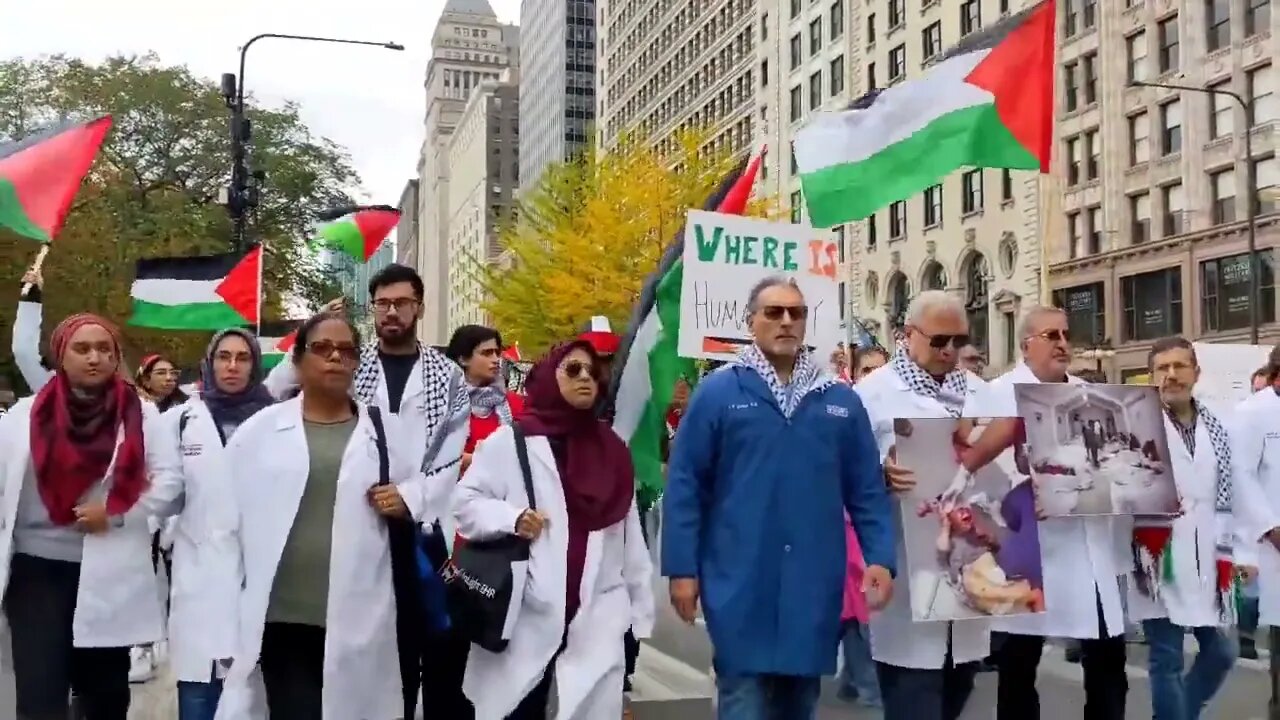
(35, 269)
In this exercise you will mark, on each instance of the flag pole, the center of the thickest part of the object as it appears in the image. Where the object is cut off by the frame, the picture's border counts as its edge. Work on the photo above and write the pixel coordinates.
(35, 267)
(262, 260)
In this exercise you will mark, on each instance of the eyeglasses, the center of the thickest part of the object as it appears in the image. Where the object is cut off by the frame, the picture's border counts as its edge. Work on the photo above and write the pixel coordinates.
(347, 352)
(793, 312)
(401, 305)
(576, 369)
(230, 358)
(938, 342)
(1054, 335)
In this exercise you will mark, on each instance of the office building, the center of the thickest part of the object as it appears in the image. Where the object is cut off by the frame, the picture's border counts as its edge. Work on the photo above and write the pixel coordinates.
(483, 155)
(557, 82)
(1155, 183)
(469, 47)
(669, 66)
(407, 228)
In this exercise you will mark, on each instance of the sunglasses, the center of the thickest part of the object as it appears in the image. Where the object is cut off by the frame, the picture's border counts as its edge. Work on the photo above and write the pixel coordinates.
(793, 312)
(576, 369)
(1055, 335)
(348, 352)
(938, 342)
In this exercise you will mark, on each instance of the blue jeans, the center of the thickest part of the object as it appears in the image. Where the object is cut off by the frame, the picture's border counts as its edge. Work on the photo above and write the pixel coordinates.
(198, 701)
(767, 697)
(1179, 696)
(859, 677)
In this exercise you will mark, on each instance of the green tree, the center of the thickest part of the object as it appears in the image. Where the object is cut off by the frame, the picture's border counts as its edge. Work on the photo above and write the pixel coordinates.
(155, 186)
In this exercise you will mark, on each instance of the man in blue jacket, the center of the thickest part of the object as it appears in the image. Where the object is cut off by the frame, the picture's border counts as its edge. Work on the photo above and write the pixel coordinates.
(768, 457)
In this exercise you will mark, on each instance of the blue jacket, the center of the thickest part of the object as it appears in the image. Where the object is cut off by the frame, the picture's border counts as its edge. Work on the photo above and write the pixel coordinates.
(754, 509)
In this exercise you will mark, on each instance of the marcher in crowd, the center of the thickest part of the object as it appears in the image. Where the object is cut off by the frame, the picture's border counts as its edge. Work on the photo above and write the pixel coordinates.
(598, 331)
(77, 585)
(157, 381)
(972, 359)
(478, 350)
(204, 588)
(869, 360)
(428, 394)
(317, 609)
(1247, 623)
(858, 681)
(757, 541)
(35, 369)
(926, 669)
(1178, 587)
(577, 604)
(1073, 551)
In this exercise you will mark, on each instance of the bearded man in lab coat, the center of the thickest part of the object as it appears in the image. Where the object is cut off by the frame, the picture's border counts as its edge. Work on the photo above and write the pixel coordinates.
(1073, 549)
(926, 669)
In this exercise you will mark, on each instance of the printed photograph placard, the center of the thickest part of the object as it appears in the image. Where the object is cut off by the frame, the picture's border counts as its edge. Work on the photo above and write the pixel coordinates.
(973, 546)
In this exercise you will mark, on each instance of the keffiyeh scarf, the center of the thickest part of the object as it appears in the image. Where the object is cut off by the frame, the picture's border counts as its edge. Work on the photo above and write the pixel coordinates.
(488, 399)
(444, 391)
(951, 392)
(1153, 564)
(804, 378)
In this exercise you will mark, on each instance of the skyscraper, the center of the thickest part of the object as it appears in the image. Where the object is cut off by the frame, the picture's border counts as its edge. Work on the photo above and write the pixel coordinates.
(469, 47)
(557, 82)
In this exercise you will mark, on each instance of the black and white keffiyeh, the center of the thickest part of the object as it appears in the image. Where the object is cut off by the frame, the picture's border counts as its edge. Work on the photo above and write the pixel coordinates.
(488, 399)
(951, 392)
(443, 388)
(805, 377)
(1221, 453)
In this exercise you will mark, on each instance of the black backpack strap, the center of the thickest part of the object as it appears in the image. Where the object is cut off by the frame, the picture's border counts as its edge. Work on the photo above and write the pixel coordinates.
(522, 454)
(380, 438)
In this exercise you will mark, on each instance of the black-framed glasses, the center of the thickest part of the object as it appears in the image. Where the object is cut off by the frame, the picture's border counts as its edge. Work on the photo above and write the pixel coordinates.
(938, 342)
(382, 306)
(793, 312)
(348, 352)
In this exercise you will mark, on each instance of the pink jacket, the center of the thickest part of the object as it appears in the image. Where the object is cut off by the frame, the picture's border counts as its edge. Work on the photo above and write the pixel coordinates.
(855, 603)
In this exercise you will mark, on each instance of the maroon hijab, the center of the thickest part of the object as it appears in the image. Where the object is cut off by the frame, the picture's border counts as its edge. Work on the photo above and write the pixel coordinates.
(595, 467)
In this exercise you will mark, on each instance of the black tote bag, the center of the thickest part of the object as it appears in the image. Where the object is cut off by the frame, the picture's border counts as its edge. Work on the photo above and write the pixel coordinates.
(480, 579)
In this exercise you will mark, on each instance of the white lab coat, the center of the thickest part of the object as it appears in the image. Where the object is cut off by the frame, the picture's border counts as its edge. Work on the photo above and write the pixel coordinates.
(361, 663)
(117, 604)
(896, 639)
(26, 345)
(1191, 600)
(205, 587)
(1255, 457)
(616, 590)
(1072, 551)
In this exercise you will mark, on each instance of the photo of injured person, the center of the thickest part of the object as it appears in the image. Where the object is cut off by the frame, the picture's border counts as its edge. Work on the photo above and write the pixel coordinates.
(1097, 449)
(969, 524)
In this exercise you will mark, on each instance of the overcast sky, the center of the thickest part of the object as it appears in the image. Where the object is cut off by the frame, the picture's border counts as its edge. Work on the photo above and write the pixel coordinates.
(369, 100)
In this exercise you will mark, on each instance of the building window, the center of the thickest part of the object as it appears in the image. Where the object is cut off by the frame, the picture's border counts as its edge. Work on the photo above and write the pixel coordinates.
(796, 51)
(1071, 94)
(1257, 17)
(764, 73)
(935, 277)
(871, 76)
(899, 297)
(1086, 310)
(970, 16)
(797, 103)
(871, 232)
(837, 75)
(794, 168)
(1139, 134)
(795, 207)
(1089, 13)
(1073, 161)
(1223, 186)
(1174, 205)
(1171, 127)
(1071, 18)
(840, 295)
(1261, 88)
(897, 13)
(1221, 110)
(1217, 19)
(931, 39)
(1006, 186)
(871, 30)
(1225, 293)
(898, 220)
(764, 26)
(815, 90)
(1265, 176)
(1073, 235)
(839, 231)
(1093, 217)
(1090, 64)
(897, 63)
(837, 19)
(977, 301)
(1152, 304)
(1139, 218)
(795, 8)
(1167, 31)
(1093, 154)
(933, 206)
(815, 35)
(971, 191)
(1136, 56)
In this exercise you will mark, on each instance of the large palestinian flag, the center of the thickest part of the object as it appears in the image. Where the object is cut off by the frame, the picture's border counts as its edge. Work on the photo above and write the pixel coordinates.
(41, 174)
(987, 103)
(210, 292)
(361, 233)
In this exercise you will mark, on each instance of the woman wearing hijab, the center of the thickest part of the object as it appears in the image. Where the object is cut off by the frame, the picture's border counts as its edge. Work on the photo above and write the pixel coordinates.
(589, 571)
(204, 586)
(157, 381)
(77, 586)
(317, 608)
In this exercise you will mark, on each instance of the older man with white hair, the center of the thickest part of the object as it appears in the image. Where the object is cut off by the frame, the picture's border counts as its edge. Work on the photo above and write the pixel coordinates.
(1074, 551)
(926, 669)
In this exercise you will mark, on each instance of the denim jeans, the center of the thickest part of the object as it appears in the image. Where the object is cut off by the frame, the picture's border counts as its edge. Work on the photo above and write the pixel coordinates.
(1179, 696)
(198, 701)
(767, 697)
(858, 679)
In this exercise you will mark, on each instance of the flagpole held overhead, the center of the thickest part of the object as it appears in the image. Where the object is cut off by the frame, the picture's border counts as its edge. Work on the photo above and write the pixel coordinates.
(35, 268)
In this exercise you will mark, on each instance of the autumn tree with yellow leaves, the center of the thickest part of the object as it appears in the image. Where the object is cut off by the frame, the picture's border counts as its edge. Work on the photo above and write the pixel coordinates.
(591, 231)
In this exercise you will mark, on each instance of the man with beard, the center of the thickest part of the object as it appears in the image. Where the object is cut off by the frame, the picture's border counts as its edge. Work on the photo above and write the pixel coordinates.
(428, 394)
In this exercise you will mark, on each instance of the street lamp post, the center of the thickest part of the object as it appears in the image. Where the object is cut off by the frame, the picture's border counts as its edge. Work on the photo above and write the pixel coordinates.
(241, 195)
(1098, 353)
(1250, 181)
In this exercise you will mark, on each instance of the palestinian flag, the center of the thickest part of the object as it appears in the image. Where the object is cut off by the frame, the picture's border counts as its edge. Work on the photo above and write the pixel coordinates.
(274, 349)
(648, 365)
(512, 353)
(41, 174)
(361, 233)
(988, 103)
(211, 292)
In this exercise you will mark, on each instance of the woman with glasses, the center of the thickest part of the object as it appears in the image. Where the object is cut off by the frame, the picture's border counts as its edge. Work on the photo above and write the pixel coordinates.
(317, 608)
(157, 381)
(588, 573)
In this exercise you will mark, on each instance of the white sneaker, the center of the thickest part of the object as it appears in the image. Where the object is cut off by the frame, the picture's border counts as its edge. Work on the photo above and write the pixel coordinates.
(142, 666)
